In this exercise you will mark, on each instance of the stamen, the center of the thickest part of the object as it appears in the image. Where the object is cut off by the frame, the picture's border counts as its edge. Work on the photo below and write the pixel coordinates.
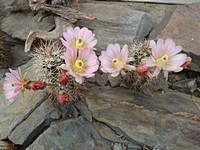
(162, 61)
(115, 61)
(79, 43)
(13, 85)
(78, 66)
(165, 58)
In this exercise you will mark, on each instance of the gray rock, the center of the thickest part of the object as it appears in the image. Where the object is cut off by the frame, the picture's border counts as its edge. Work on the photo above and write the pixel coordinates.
(187, 86)
(107, 133)
(41, 117)
(157, 85)
(168, 118)
(2, 73)
(102, 79)
(68, 111)
(83, 110)
(6, 2)
(116, 24)
(12, 114)
(114, 81)
(18, 25)
(177, 77)
(117, 146)
(72, 134)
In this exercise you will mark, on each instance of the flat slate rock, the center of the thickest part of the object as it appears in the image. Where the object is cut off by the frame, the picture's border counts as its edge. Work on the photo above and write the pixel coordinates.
(41, 117)
(71, 134)
(18, 25)
(116, 23)
(164, 120)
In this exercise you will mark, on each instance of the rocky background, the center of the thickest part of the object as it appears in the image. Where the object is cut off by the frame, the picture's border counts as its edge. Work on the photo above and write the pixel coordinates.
(164, 117)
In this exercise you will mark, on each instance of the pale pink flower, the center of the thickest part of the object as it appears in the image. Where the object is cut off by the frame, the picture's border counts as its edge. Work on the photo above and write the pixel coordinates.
(79, 38)
(14, 84)
(165, 57)
(114, 60)
(80, 63)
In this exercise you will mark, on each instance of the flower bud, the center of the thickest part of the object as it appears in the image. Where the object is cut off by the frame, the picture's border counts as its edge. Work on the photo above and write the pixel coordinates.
(142, 70)
(37, 85)
(187, 62)
(63, 98)
(63, 78)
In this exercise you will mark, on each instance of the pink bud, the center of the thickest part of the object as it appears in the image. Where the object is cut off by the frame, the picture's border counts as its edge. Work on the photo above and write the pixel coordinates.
(63, 98)
(37, 85)
(187, 62)
(63, 78)
(142, 70)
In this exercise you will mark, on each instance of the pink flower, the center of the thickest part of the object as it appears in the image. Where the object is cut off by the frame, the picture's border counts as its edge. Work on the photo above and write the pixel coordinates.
(114, 60)
(165, 57)
(80, 63)
(79, 38)
(14, 84)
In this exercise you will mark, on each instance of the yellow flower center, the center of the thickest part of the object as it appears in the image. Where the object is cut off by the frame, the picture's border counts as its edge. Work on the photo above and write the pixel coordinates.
(117, 63)
(13, 85)
(78, 66)
(79, 43)
(162, 61)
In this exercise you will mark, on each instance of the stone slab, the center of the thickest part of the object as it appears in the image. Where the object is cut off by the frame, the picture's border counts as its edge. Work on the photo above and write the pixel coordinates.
(116, 23)
(167, 119)
(71, 134)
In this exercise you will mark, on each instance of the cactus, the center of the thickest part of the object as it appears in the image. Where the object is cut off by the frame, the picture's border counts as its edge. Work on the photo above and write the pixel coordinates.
(47, 58)
(138, 50)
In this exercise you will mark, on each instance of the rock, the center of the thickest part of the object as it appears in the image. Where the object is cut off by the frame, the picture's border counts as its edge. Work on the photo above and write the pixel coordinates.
(107, 133)
(40, 118)
(197, 92)
(71, 134)
(19, 56)
(117, 146)
(68, 110)
(165, 119)
(186, 16)
(157, 85)
(83, 110)
(194, 64)
(114, 26)
(6, 2)
(186, 86)
(12, 114)
(18, 25)
(198, 80)
(2, 73)
(174, 77)
(102, 79)
(114, 81)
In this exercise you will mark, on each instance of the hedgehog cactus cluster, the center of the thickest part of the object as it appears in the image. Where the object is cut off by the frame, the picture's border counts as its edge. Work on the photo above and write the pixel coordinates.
(63, 65)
